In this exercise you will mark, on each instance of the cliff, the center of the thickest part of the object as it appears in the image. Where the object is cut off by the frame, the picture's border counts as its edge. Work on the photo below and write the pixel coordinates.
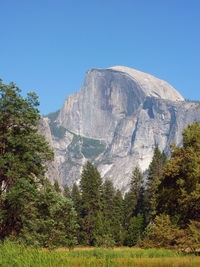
(115, 120)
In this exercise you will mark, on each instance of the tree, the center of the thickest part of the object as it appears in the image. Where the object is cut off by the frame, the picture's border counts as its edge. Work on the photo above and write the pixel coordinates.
(23, 151)
(117, 222)
(133, 200)
(161, 233)
(91, 191)
(77, 202)
(108, 204)
(135, 230)
(67, 192)
(23, 154)
(155, 173)
(57, 222)
(179, 191)
(57, 186)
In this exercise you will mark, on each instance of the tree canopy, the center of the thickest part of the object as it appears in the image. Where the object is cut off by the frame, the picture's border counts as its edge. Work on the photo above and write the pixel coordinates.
(179, 191)
(30, 208)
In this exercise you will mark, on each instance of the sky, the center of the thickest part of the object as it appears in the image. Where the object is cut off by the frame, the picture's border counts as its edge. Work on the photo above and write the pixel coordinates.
(47, 46)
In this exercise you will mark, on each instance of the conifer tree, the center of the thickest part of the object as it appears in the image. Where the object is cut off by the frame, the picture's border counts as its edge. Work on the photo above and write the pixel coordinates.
(134, 209)
(117, 218)
(91, 193)
(67, 192)
(154, 178)
(108, 204)
(135, 230)
(133, 200)
(77, 202)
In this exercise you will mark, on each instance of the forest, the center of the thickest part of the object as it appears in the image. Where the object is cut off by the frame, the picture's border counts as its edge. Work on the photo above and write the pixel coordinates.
(159, 211)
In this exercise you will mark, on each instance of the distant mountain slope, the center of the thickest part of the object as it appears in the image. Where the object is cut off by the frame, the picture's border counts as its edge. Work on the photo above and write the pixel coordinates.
(115, 120)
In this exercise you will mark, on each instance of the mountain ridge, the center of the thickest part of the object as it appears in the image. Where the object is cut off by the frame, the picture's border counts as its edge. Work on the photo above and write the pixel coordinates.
(115, 122)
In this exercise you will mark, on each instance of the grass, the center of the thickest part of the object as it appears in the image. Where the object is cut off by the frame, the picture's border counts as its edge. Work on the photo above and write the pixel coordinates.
(17, 255)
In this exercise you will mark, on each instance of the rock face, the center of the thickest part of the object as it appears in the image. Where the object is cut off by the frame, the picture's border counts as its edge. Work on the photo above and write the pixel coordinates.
(115, 121)
(53, 168)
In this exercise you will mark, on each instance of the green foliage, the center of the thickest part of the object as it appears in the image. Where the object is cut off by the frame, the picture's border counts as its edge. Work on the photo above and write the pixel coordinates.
(87, 147)
(15, 255)
(134, 232)
(91, 188)
(134, 210)
(57, 186)
(57, 219)
(77, 201)
(18, 214)
(23, 151)
(67, 192)
(179, 191)
(91, 148)
(155, 174)
(135, 194)
(75, 147)
(57, 130)
(112, 211)
(105, 241)
(23, 154)
(31, 211)
(194, 235)
(160, 234)
(117, 218)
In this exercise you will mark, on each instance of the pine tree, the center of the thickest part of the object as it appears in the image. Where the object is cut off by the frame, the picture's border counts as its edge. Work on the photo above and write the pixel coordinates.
(77, 202)
(154, 178)
(133, 200)
(91, 191)
(23, 154)
(108, 204)
(117, 218)
(67, 192)
(135, 230)
(108, 209)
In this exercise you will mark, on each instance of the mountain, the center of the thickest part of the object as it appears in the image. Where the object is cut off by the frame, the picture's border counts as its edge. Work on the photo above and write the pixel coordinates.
(115, 120)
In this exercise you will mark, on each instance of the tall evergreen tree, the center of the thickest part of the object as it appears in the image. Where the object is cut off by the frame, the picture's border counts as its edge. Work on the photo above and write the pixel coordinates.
(133, 200)
(117, 218)
(154, 178)
(77, 202)
(91, 191)
(108, 204)
(67, 192)
(134, 209)
(135, 230)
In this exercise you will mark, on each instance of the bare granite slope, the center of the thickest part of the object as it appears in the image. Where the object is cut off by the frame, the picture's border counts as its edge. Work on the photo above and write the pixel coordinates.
(115, 120)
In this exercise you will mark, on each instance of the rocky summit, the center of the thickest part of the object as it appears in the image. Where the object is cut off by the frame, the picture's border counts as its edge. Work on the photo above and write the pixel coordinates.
(115, 120)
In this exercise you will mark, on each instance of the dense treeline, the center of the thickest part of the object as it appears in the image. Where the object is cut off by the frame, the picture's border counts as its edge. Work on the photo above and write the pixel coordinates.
(162, 211)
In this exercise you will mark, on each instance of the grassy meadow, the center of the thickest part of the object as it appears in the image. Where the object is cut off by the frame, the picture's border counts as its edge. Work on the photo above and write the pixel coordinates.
(14, 255)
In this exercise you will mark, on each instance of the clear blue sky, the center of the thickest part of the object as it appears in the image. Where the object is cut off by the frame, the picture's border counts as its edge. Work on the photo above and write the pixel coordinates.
(47, 46)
